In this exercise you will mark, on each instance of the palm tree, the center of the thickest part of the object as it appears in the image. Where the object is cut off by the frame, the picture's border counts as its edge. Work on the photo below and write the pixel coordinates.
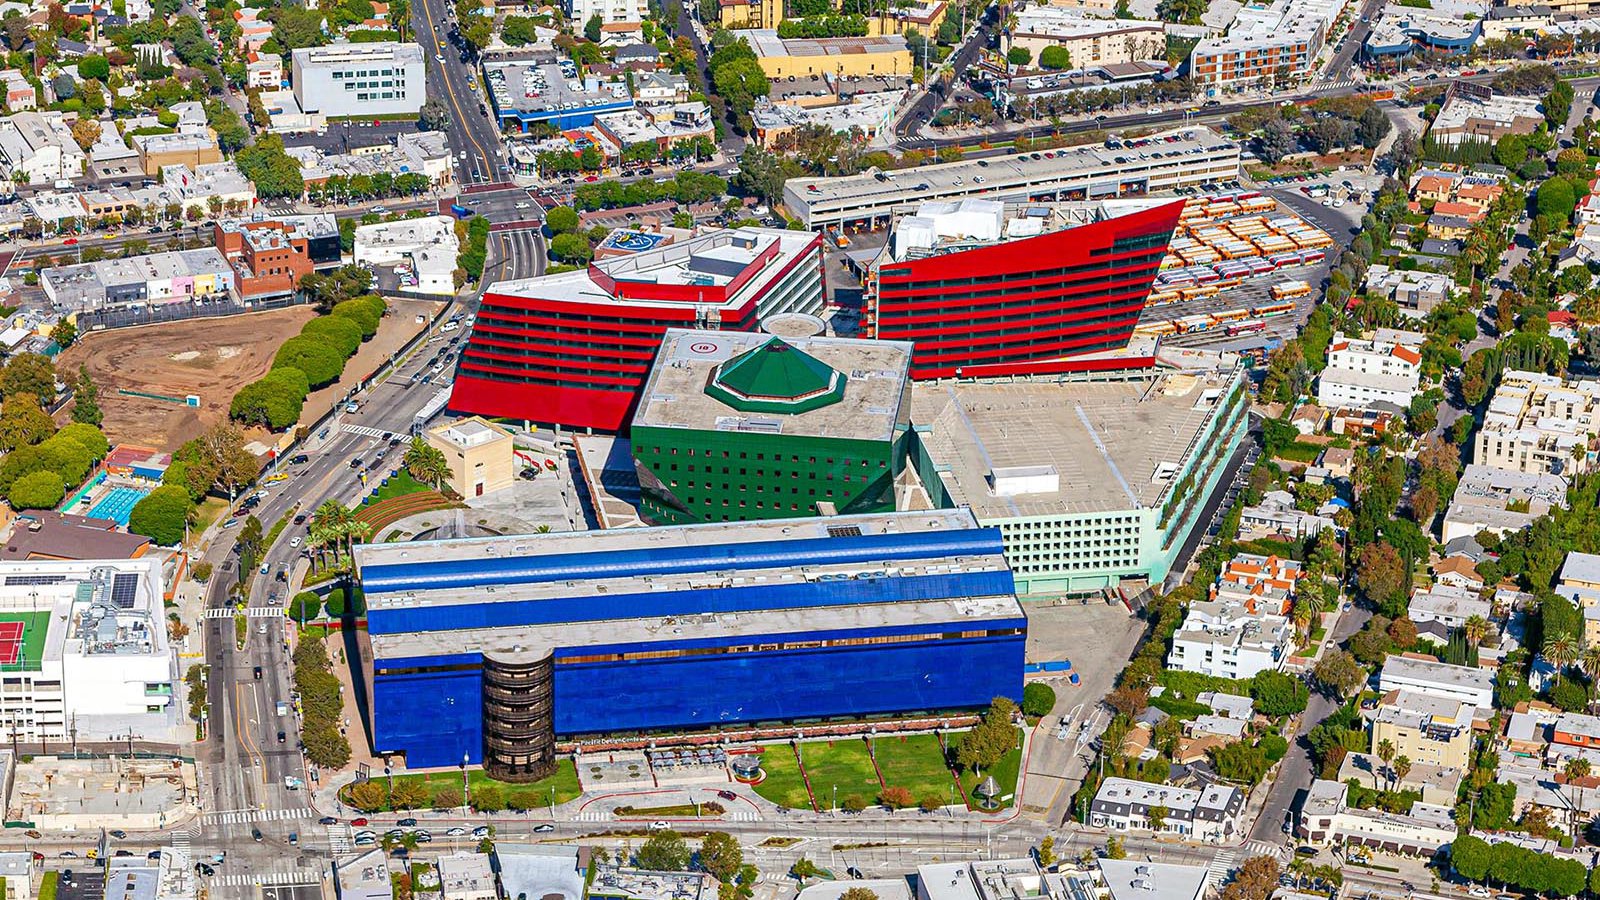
(1402, 768)
(1576, 769)
(1385, 753)
(1477, 628)
(427, 463)
(1561, 651)
(1589, 662)
(333, 520)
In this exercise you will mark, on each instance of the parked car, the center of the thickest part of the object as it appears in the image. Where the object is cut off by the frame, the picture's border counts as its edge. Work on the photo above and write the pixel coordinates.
(544, 828)
(407, 822)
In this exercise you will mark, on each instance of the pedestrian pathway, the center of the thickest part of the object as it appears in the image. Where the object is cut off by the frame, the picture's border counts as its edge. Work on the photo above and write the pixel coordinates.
(340, 841)
(362, 430)
(1221, 867)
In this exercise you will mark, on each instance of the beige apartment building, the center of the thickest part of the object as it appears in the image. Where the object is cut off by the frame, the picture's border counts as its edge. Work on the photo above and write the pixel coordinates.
(1424, 728)
(1540, 423)
(480, 454)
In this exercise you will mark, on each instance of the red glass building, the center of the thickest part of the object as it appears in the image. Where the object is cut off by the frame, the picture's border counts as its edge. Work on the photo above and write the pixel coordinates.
(573, 349)
(984, 288)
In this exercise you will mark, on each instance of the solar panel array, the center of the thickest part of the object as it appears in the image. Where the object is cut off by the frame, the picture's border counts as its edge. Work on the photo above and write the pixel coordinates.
(124, 588)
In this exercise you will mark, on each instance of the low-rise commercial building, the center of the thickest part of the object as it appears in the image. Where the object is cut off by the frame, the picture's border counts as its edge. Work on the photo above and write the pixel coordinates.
(1211, 814)
(1325, 818)
(481, 455)
(466, 876)
(1361, 372)
(1467, 684)
(423, 249)
(1474, 113)
(270, 256)
(180, 148)
(363, 877)
(868, 113)
(1539, 423)
(1501, 500)
(528, 92)
(662, 127)
(176, 276)
(838, 56)
(1091, 172)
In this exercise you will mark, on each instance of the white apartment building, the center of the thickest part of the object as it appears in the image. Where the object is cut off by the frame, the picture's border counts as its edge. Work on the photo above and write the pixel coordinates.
(1449, 606)
(1230, 639)
(377, 79)
(1361, 372)
(1326, 819)
(1467, 684)
(40, 145)
(1122, 804)
(1501, 500)
(90, 660)
(581, 11)
(1539, 423)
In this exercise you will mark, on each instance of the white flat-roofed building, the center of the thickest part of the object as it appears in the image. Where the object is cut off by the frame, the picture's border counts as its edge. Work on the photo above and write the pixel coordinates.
(884, 888)
(364, 877)
(1091, 172)
(466, 876)
(41, 146)
(868, 112)
(1449, 606)
(92, 662)
(1122, 804)
(1468, 684)
(1362, 372)
(377, 79)
(427, 246)
(1326, 819)
(608, 10)
(1501, 500)
(1539, 423)
(1136, 879)
(1415, 292)
(1277, 514)
(1231, 639)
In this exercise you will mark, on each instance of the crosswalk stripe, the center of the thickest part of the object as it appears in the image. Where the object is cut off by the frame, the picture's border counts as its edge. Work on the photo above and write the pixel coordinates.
(293, 876)
(1221, 866)
(254, 612)
(242, 816)
(363, 430)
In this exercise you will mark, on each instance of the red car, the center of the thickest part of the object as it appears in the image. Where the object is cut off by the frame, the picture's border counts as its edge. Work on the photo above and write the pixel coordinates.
(70, 241)
(592, 178)
(358, 823)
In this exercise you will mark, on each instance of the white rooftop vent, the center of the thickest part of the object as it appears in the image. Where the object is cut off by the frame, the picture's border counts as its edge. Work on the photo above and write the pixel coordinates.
(1009, 481)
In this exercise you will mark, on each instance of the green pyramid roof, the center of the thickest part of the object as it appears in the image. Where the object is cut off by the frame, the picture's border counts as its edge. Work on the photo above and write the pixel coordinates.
(776, 377)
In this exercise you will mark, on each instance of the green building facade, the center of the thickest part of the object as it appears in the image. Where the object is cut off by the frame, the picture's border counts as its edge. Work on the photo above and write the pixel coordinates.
(736, 426)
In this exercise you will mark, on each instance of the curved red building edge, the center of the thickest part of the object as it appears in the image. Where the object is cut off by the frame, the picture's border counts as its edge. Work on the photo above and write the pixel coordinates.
(1025, 306)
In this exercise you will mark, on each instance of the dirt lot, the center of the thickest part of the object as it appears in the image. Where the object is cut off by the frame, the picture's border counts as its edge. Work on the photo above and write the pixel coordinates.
(209, 357)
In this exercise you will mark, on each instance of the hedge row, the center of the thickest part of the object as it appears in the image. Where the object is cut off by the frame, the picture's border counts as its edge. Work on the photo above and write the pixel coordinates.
(37, 476)
(314, 358)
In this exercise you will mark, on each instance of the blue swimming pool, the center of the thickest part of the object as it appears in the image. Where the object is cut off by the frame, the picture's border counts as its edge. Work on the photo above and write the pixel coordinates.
(117, 504)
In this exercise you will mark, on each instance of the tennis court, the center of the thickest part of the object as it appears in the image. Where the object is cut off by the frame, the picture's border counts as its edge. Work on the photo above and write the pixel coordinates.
(117, 504)
(22, 639)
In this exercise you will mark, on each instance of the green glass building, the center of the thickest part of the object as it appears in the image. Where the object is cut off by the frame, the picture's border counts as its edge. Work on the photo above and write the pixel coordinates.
(736, 426)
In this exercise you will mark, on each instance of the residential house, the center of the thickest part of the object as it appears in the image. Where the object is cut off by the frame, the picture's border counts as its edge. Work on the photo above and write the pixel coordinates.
(1458, 572)
(1122, 804)
(1447, 605)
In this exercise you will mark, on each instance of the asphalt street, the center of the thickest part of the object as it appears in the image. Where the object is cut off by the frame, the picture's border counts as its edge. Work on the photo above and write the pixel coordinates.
(474, 138)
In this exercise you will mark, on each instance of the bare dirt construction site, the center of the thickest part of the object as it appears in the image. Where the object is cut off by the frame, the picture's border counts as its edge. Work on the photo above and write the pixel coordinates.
(209, 357)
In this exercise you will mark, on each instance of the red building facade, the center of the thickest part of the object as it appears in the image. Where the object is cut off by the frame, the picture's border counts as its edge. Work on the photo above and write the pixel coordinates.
(574, 349)
(1025, 306)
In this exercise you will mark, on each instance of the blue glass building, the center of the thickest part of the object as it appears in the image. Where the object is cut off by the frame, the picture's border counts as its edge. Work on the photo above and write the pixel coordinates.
(490, 649)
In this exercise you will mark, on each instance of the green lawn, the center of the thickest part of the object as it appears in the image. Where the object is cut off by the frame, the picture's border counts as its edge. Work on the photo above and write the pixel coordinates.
(1004, 772)
(843, 763)
(531, 795)
(916, 763)
(398, 485)
(207, 512)
(783, 784)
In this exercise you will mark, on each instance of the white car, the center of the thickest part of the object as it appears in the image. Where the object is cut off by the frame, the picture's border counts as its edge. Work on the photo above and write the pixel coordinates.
(659, 826)
(1477, 890)
(294, 541)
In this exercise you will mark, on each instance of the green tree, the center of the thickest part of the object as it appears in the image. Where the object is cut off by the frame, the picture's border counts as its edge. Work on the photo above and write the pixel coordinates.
(561, 220)
(317, 360)
(1038, 699)
(304, 606)
(1055, 58)
(37, 490)
(274, 400)
(161, 515)
(721, 856)
(1278, 694)
(1115, 848)
(22, 422)
(571, 248)
(1019, 56)
(665, 851)
(591, 28)
(361, 312)
(343, 332)
(1338, 673)
(86, 399)
(274, 172)
(29, 373)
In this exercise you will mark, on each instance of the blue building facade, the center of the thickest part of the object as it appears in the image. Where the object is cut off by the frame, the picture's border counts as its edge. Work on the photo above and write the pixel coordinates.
(732, 629)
